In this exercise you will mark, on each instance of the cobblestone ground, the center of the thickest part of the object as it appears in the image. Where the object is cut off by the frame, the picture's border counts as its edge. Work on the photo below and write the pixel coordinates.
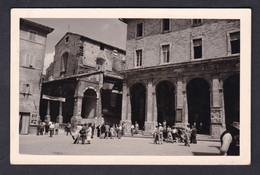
(63, 145)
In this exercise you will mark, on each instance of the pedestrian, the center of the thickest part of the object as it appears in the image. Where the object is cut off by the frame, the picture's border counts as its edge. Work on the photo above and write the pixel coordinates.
(160, 133)
(156, 135)
(38, 128)
(136, 127)
(76, 135)
(187, 135)
(89, 133)
(83, 133)
(68, 129)
(107, 130)
(41, 128)
(51, 126)
(230, 140)
(193, 135)
(102, 131)
(132, 129)
(164, 125)
(119, 131)
(98, 130)
(92, 130)
(123, 128)
(56, 126)
(169, 134)
(46, 127)
(112, 132)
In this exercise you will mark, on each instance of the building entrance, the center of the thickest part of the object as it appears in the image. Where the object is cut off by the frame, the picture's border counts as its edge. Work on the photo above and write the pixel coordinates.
(89, 103)
(231, 99)
(138, 104)
(165, 98)
(198, 96)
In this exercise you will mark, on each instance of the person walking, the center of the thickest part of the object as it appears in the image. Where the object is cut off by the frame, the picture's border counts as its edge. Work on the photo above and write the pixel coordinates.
(193, 135)
(38, 128)
(107, 130)
(51, 129)
(83, 133)
(68, 129)
(132, 129)
(56, 126)
(119, 131)
(164, 125)
(77, 134)
(160, 134)
(112, 132)
(89, 133)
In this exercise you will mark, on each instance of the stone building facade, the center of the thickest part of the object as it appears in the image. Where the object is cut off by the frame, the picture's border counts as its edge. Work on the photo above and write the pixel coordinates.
(85, 72)
(32, 51)
(182, 71)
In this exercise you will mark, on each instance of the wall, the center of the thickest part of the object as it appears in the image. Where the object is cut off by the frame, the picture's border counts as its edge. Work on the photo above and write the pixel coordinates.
(212, 32)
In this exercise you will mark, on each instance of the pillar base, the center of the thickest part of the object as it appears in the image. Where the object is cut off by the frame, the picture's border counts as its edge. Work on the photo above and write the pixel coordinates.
(59, 119)
(149, 127)
(216, 130)
(48, 118)
(74, 121)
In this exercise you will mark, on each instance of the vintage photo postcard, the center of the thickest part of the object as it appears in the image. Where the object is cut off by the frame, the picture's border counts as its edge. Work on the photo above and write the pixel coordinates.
(130, 86)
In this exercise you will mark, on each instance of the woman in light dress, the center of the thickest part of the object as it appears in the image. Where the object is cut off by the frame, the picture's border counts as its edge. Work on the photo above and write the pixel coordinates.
(89, 133)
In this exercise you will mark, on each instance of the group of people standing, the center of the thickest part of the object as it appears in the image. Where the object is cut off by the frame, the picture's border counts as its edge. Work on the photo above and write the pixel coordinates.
(83, 133)
(175, 134)
(47, 127)
(110, 131)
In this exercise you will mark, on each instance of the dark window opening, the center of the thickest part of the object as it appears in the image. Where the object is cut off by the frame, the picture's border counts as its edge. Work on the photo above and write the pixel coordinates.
(166, 53)
(139, 31)
(235, 42)
(64, 62)
(166, 24)
(197, 44)
(139, 58)
(81, 51)
(67, 39)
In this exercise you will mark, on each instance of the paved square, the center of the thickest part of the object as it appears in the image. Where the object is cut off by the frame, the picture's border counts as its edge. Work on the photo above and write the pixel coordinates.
(63, 145)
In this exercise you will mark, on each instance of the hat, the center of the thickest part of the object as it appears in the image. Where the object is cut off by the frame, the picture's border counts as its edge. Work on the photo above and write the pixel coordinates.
(235, 125)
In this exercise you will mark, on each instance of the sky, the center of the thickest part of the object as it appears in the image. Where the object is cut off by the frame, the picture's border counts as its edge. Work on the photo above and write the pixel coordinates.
(109, 31)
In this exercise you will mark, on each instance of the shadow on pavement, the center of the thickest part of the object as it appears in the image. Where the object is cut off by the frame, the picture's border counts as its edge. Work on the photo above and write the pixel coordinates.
(205, 154)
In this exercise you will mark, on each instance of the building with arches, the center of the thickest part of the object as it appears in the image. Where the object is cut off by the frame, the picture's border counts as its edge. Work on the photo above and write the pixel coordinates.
(32, 45)
(182, 71)
(85, 74)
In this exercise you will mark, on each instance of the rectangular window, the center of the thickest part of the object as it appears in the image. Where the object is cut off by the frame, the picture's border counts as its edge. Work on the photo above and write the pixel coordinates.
(28, 62)
(139, 30)
(139, 58)
(32, 35)
(197, 22)
(64, 62)
(26, 89)
(166, 24)
(166, 53)
(235, 42)
(197, 47)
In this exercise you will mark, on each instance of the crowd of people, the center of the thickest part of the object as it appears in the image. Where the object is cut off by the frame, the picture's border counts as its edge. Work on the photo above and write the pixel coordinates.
(164, 133)
(47, 128)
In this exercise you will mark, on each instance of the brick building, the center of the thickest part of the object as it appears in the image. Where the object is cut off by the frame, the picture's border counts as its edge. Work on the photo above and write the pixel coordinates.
(32, 51)
(182, 71)
(85, 73)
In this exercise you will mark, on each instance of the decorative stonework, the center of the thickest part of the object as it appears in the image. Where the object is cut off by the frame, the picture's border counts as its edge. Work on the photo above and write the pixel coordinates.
(216, 115)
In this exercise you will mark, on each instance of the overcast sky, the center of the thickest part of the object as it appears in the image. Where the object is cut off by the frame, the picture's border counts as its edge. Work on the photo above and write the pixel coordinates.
(110, 31)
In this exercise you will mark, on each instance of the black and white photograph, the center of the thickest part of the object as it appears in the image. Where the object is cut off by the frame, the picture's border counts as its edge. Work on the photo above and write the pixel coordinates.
(139, 86)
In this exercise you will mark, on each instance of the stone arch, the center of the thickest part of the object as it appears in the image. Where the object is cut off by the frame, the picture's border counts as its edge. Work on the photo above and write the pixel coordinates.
(166, 102)
(231, 88)
(89, 103)
(198, 100)
(138, 103)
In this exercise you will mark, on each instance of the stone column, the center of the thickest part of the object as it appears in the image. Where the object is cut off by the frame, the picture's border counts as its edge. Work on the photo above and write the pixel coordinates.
(149, 123)
(179, 102)
(126, 118)
(216, 110)
(60, 117)
(48, 117)
(77, 111)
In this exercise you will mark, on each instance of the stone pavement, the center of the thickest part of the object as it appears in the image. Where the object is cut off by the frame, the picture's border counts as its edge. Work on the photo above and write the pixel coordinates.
(63, 145)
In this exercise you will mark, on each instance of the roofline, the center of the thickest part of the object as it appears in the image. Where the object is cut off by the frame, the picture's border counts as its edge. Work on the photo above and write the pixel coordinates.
(82, 37)
(47, 29)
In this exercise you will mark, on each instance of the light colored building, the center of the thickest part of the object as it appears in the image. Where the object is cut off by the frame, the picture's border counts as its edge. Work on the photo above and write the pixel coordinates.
(32, 51)
(85, 72)
(182, 71)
